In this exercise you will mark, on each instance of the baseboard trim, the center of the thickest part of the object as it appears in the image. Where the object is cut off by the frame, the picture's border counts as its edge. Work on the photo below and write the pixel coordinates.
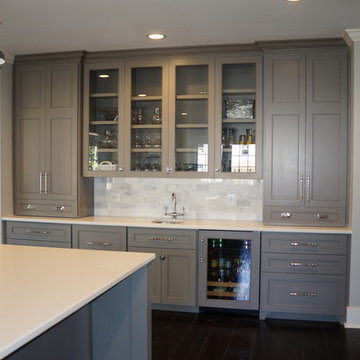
(352, 317)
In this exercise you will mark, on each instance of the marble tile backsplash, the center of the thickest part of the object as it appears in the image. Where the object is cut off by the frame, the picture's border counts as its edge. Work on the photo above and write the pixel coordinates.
(223, 199)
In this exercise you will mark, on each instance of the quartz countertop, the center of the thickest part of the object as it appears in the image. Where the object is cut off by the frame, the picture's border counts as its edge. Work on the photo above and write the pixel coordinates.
(41, 286)
(233, 225)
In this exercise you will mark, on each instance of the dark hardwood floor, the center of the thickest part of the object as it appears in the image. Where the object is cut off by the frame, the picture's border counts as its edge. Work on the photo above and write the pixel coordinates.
(229, 336)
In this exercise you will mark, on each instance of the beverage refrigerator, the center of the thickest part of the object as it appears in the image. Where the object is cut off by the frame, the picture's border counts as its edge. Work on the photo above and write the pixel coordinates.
(229, 269)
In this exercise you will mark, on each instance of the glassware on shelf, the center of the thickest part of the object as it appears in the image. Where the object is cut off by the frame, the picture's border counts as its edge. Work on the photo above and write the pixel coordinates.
(109, 140)
(249, 136)
(147, 142)
(231, 136)
(92, 158)
(223, 136)
(157, 141)
(242, 139)
(156, 117)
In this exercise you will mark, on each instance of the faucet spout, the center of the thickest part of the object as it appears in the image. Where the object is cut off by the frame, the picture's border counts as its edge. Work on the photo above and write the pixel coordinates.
(174, 214)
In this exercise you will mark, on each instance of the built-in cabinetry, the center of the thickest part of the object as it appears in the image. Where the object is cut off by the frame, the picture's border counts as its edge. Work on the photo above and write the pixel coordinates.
(303, 275)
(305, 137)
(229, 269)
(47, 130)
(99, 237)
(172, 275)
(183, 117)
(38, 234)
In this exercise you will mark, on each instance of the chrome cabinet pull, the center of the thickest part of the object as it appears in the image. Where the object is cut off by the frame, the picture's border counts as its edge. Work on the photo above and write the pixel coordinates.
(31, 207)
(322, 217)
(46, 176)
(29, 231)
(217, 170)
(286, 215)
(302, 293)
(202, 250)
(308, 189)
(162, 257)
(99, 243)
(295, 264)
(301, 188)
(41, 191)
(169, 169)
(311, 244)
(59, 208)
(152, 238)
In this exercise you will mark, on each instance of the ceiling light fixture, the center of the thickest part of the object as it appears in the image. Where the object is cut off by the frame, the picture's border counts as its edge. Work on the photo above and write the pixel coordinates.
(104, 76)
(292, 0)
(2, 58)
(156, 36)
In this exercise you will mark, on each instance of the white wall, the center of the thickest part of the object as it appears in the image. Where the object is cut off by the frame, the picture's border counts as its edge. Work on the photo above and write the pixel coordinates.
(353, 312)
(6, 167)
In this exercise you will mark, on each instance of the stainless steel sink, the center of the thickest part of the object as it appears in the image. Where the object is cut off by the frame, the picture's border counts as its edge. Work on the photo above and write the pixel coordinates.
(166, 221)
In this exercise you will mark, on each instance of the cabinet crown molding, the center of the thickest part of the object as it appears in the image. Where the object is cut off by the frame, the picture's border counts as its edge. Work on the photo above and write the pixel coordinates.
(351, 36)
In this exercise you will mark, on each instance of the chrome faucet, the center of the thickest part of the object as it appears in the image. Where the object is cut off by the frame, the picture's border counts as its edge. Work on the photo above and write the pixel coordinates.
(174, 214)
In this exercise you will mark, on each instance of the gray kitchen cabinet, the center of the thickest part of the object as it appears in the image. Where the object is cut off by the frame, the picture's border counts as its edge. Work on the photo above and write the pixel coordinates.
(47, 138)
(172, 275)
(304, 276)
(99, 237)
(38, 234)
(305, 137)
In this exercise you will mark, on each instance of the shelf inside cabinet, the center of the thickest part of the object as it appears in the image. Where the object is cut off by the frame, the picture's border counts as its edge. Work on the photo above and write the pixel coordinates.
(184, 150)
(239, 121)
(146, 126)
(146, 150)
(107, 150)
(239, 91)
(146, 98)
(105, 122)
(223, 284)
(191, 97)
(192, 126)
(103, 95)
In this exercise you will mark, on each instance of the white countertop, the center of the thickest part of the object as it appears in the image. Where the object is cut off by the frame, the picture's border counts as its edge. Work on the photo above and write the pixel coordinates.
(39, 287)
(234, 225)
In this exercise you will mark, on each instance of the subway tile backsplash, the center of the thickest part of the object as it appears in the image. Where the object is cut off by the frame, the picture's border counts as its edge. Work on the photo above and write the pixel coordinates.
(223, 199)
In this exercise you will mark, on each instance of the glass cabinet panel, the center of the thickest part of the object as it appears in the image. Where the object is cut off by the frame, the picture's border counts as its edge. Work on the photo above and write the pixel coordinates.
(191, 118)
(103, 111)
(229, 269)
(146, 119)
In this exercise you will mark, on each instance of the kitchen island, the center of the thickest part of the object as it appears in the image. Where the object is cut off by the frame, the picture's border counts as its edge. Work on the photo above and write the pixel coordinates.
(73, 304)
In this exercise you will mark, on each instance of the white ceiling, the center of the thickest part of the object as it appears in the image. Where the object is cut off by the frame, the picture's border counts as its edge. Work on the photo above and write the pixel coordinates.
(36, 26)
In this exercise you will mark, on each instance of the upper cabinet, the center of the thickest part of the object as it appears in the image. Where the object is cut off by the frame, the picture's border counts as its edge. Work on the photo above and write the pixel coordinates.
(47, 173)
(173, 117)
(305, 137)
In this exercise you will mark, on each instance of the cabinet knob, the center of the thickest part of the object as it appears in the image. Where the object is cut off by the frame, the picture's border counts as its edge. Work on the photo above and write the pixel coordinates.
(217, 170)
(120, 169)
(169, 169)
(162, 257)
(60, 208)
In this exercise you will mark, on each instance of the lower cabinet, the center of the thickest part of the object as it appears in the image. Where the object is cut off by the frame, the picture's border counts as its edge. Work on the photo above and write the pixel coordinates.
(172, 275)
(304, 276)
(38, 234)
(99, 237)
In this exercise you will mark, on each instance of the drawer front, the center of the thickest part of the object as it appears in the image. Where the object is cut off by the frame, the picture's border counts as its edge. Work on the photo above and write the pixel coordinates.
(304, 264)
(46, 208)
(307, 294)
(170, 238)
(54, 244)
(304, 216)
(296, 243)
(38, 231)
(99, 237)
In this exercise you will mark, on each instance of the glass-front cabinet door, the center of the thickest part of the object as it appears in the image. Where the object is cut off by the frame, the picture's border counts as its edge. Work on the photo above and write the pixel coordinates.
(238, 118)
(191, 113)
(146, 119)
(103, 124)
(229, 269)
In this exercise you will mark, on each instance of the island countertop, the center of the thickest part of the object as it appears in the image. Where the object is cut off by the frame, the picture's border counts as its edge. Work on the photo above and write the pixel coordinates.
(39, 287)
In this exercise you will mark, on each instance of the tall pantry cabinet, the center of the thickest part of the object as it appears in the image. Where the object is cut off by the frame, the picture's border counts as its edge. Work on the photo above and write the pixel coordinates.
(305, 134)
(47, 137)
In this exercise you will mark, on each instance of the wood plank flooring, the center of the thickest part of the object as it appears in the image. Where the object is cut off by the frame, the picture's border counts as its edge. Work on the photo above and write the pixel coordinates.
(229, 336)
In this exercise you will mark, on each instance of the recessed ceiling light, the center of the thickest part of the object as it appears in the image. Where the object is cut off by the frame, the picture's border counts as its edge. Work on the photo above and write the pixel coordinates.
(156, 36)
(292, 0)
(142, 95)
(104, 76)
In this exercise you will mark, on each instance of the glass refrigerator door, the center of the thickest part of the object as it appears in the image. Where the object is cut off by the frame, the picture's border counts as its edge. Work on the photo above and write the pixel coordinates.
(229, 269)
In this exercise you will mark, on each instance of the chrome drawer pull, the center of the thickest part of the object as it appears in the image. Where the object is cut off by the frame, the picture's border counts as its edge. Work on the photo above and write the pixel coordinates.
(322, 217)
(294, 243)
(36, 232)
(31, 207)
(60, 208)
(303, 264)
(301, 188)
(286, 215)
(202, 250)
(99, 243)
(152, 238)
(302, 293)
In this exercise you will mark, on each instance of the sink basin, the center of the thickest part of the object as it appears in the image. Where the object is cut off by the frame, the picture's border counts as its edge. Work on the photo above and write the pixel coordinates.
(166, 221)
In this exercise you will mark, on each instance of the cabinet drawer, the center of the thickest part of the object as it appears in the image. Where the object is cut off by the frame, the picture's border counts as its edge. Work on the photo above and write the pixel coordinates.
(304, 264)
(38, 231)
(99, 237)
(306, 294)
(39, 243)
(170, 238)
(309, 216)
(46, 208)
(304, 243)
